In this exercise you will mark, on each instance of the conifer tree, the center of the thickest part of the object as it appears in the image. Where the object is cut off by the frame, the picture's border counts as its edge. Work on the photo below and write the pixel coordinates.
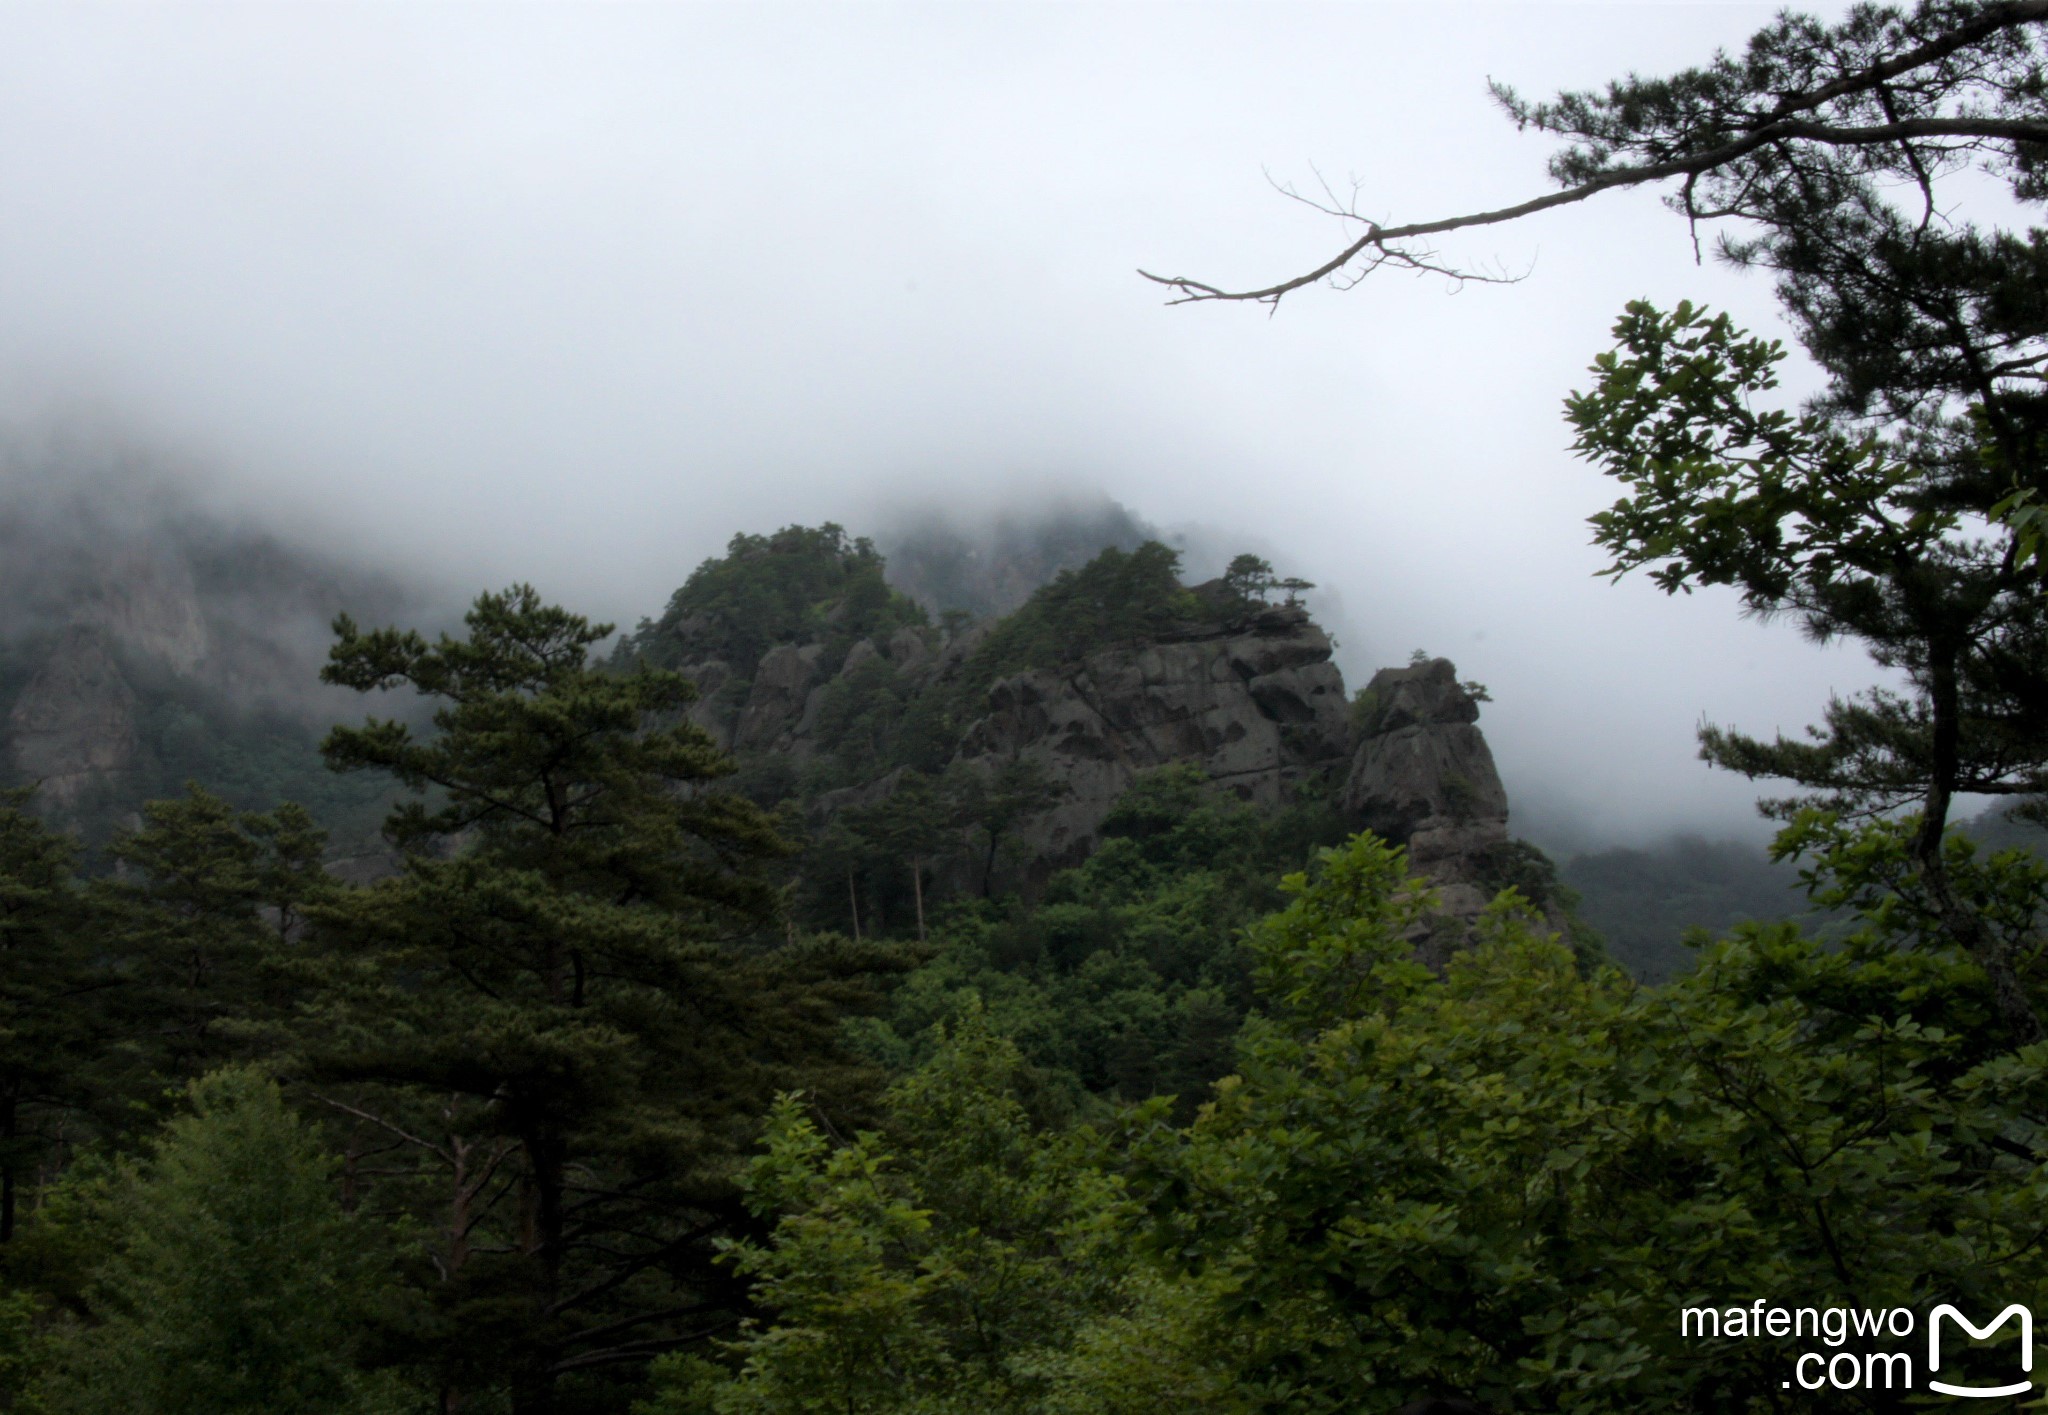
(998, 803)
(49, 981)
(574, 970)
(205, 896)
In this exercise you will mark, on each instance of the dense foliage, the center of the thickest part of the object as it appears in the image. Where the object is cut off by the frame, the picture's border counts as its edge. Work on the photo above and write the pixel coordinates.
(798, 584)
(1504, 1182)
(530, 1054)
(1118, 597)
(1124, 978)
(226, 1277)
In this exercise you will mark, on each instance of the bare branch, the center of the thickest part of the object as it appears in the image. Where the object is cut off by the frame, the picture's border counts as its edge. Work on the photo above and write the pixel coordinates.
(382, 1124)
(1379, 239)
(1790, 121)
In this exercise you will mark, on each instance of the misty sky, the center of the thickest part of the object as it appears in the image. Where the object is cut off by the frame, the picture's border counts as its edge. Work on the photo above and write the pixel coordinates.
(572, 293)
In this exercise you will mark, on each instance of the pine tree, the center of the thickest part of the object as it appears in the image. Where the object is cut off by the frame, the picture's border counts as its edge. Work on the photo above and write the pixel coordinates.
(998, 803)
(204, 899)
(574, 971)
(50, 983)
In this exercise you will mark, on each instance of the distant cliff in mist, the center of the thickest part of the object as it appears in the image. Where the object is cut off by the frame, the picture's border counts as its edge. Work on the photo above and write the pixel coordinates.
(989, 566)
(143, 644)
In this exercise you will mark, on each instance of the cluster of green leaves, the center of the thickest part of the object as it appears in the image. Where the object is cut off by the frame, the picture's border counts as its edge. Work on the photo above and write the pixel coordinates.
(928, 1270)
(799, 584)
(869, 867)
(1861, 529)
(200, 1277)
(1505, 1182)
(116, 986)
(1118, 597)
(1249, 579)
(1123, 977)
(224, 1277)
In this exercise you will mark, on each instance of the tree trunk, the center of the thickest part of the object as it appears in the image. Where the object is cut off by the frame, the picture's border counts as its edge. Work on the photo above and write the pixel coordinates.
(917, 893)
(533, 1383)
(460, 1195)
(9, 1121)
(853, 902)
(1958, 920)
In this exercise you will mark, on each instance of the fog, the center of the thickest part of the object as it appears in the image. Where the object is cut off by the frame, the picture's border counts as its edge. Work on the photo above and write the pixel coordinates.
(571, 294)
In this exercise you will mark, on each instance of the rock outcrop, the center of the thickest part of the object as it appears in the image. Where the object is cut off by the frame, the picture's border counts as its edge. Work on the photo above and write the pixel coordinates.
(1254, 702)
(75, 724)
(1250, 697)
(1423, 776)
(1257, 706)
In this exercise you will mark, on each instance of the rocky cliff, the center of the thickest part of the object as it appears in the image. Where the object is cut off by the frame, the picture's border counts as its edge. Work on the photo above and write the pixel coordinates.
(144, 645)
(1423, 775)
(1255, 704)
(1245, 692)
(75, 723)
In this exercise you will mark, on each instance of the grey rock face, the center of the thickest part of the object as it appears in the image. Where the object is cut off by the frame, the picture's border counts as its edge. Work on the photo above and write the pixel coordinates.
(146, 602)
(712, 710)
(781, 683)
(75, 722)
(1421, 763)
(1258, 707)
(1255, 704)
(1423, 776)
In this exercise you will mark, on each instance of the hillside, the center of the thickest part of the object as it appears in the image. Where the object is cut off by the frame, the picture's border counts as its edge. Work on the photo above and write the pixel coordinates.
(1005, 744)
(139, 651)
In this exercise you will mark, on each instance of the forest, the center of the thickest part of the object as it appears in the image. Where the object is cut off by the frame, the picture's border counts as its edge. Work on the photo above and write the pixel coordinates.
(808, 1001)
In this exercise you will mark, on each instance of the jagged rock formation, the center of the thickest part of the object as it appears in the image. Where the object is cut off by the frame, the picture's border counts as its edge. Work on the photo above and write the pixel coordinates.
(1246, 692)
(1422, 775)
(1256, 705)
(1253, 701)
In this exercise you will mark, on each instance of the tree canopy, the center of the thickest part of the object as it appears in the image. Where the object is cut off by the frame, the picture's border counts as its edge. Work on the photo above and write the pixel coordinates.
(563, 1005)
